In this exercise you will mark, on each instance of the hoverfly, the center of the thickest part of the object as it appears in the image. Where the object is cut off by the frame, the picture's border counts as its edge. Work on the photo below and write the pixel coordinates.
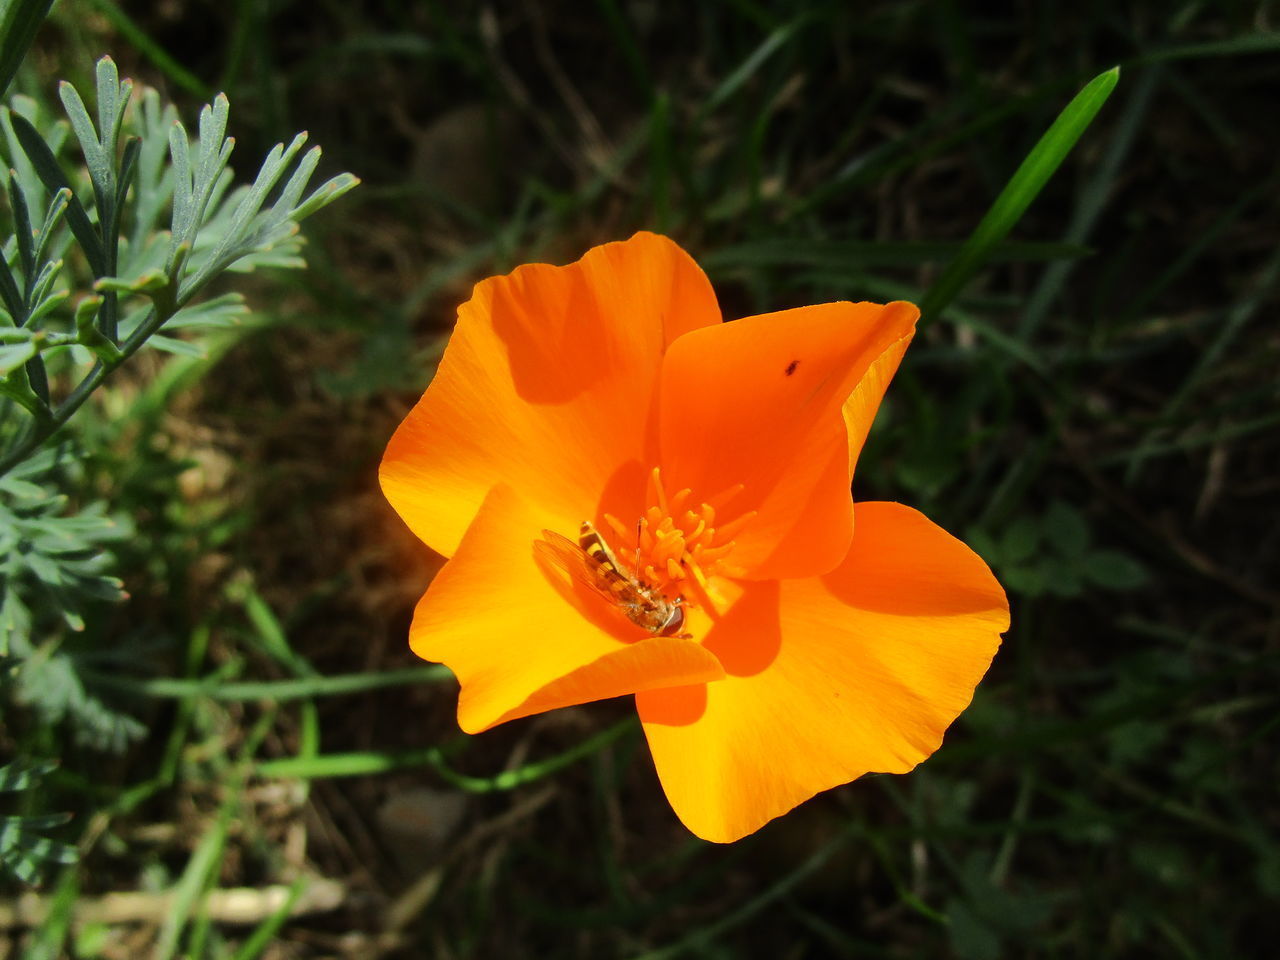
(592, 564)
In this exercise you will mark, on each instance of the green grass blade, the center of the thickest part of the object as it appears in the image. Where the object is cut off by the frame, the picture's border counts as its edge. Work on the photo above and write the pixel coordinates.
(1027, 182)
(279, 691)
(855, 254)
(1245, 44)
(624, 34)
(1092, 201)
(698, 942)
(1204, 241)
(149, 48)
(265, 933)
(1236, 318)
(366, 763)
(197, 877)
(270, 632)
(48, 941)
(355, 764)
(748, 68)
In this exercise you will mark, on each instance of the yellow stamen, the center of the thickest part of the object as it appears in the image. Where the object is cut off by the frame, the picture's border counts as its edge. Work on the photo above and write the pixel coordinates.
(726, 495)
(655, 481)
(678, 501)
(678, 547)
(699, 583)
(733, 527)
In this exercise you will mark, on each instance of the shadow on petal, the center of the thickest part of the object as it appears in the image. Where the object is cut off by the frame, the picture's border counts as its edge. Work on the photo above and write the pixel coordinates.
(624, 494)
(748, 637)
(550, 324)
(675, 706)
(655, 662)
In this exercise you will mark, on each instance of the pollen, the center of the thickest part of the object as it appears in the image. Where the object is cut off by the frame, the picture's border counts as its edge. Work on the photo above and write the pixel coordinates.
(676, 544)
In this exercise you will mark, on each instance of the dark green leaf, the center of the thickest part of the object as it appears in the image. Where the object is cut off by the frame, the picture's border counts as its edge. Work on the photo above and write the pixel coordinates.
(1114, 570)
(14, 355)
(1025, 580)
(54, 179)
(1066, 529)
(181, 347)
(1045, 157)
(1020, 540)
(18, 25)
(128, 161)
(22, 227)
(10, 296)
(1061, 577)
(57, 207)
(971, 937)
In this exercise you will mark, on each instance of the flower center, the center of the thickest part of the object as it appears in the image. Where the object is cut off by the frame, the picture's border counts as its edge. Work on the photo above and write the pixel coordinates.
(676, 543)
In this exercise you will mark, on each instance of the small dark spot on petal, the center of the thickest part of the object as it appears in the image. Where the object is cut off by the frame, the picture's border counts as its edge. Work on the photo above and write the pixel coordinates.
(791, 367)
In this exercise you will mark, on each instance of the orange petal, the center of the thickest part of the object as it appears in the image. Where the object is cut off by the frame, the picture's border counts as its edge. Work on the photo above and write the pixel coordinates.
(758, 402)
(547, 381)
(829, 678)
(516, 644)
(861, 406)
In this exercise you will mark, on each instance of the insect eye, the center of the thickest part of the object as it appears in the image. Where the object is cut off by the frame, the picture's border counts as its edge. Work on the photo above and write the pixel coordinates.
(675, 622)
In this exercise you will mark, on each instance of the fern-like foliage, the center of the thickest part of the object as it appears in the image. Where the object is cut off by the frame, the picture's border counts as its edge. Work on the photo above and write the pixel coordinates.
(24, 852)
(54, 566)
(50, 555)
(119, 220)
(139, 164)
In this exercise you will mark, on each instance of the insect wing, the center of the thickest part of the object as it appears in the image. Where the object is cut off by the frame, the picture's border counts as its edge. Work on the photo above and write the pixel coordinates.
(562, 559)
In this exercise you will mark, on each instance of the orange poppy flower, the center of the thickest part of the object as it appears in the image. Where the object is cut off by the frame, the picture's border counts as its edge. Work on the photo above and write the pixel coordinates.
(778, 638)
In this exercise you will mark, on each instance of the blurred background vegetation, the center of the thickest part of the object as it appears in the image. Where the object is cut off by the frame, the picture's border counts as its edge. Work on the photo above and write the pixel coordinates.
(256, 765)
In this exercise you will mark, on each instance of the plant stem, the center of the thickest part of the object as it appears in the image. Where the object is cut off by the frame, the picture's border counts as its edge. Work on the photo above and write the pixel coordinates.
(276, 690)
(42, 429)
